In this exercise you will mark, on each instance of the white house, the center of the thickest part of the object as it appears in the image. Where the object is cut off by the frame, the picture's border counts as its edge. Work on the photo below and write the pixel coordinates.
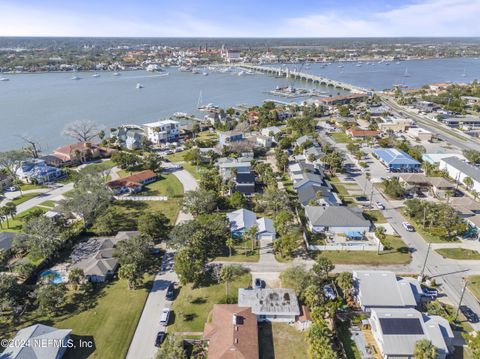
(335, 219)
(266, 229)
(397, 330)
(459, 170)
(38, 341)
(162, 131)
(270, 304)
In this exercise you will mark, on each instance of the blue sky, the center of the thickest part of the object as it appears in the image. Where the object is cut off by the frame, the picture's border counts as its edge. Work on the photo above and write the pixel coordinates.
(247, 18)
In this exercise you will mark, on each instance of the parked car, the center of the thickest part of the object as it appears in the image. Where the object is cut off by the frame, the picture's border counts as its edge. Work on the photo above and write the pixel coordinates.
(259, 283)
(160, 338)
(380, 205)
(469, 314)
(11, 189)
(170, 291)
(165, 316)
(430, 293)
(408, 227)
(329, 292)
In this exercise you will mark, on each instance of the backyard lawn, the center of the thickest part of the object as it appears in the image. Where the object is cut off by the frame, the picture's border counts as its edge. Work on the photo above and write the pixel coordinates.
(192, 305)
(179, 158)
(108, 318)
(340, 137)
(280, 340)
(398, 254)
(168, 185)
(458, 253)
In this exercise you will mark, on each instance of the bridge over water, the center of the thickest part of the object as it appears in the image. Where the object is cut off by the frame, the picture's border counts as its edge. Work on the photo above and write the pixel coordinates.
(303, 76)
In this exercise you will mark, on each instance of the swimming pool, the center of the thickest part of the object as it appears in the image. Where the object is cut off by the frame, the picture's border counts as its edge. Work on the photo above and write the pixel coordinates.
(52, 276)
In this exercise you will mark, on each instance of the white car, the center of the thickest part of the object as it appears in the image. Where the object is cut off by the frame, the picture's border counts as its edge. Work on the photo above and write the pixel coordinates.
(380, 205)
(408, 227)
(11, 189)
(165, 316)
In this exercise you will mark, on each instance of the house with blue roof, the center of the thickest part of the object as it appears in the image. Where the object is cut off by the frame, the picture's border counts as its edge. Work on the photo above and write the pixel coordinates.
(37, 171)
(396, 160)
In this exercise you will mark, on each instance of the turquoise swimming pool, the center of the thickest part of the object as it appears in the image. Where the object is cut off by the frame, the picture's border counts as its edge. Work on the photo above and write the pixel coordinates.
(52, 276)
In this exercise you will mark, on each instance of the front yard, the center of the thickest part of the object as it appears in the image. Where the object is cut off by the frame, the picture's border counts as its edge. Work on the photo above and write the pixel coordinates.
(241, 252)
(193, 305)
(474, 285)
(280, 340)
(108, 317)
(397, 254)
(168, 186)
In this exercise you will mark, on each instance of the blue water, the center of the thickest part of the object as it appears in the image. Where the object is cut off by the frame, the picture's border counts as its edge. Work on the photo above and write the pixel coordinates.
(54, 276)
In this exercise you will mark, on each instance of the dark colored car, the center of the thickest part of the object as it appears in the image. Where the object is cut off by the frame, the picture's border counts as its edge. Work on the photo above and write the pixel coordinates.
(170, 291)
(258, 283)
(469, 314)
(160, 338)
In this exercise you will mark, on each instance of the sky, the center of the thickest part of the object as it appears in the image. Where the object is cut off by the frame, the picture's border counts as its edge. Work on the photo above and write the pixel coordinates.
(240, 18)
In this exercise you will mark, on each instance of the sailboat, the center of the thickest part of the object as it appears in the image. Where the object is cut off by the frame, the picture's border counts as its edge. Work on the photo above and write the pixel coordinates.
(406, 74)
(200, 101)
(139, 86)
(464, 72)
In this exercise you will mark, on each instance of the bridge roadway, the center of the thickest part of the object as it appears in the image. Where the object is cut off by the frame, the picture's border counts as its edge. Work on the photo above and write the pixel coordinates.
(303, 76)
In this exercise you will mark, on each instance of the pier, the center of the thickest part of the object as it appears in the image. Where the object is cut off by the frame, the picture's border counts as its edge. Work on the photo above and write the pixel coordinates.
(303, 76)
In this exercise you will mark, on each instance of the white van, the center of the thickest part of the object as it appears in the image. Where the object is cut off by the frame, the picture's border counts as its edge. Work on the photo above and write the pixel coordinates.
(165, 316)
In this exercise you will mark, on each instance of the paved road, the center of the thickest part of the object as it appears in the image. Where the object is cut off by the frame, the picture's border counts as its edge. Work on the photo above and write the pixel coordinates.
(143, 342)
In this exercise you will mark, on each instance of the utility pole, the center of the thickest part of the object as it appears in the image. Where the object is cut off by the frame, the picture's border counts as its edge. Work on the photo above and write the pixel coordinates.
(425, 262)
(461, 297)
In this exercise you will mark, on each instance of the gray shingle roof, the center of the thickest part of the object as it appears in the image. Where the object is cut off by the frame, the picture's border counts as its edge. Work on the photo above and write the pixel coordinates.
(335, 216)
(471, 171)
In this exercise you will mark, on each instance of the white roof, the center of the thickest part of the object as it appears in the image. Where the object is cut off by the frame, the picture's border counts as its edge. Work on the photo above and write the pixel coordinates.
(36, 333)
(265, 225)
(383, 289)
(161, 123)
(241, 219)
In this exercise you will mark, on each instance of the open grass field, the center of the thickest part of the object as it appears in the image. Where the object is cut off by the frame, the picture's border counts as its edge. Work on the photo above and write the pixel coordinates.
(108, 317)
(280, 340)
(340, 137)
(458, 253)
(398, 254)
(168, 186)
(192, 305)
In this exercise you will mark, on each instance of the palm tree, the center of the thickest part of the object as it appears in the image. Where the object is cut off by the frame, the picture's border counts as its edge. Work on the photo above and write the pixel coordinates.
(474, 194)
(76, 277)
(229, 244)
(226, 275)
(468, 182)
(131, 274)
(424, 349)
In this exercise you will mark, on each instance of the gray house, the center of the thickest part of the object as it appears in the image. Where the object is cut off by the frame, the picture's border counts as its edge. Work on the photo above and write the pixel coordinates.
(336, 219)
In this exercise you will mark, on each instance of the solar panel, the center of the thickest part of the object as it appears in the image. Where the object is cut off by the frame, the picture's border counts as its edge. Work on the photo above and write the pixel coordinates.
(401, 326)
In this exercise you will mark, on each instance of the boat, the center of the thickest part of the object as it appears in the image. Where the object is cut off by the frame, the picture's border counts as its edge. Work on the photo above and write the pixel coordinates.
(76, 78)
(397, 63)
(96, 75)
(358, 65)
(387, 63)
(116, 74)
(205, 73)
(406, 74)
(341, 66)
(139, 86)
(180, 114)
(464, 74)
(241, 73)
(195, 72)
(4, 79)
(184, 69)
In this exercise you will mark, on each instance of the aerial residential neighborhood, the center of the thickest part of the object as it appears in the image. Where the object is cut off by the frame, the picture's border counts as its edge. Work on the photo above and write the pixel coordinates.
(239, 180)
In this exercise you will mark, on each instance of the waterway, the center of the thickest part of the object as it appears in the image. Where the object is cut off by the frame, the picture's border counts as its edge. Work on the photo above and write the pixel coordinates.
(40, 105)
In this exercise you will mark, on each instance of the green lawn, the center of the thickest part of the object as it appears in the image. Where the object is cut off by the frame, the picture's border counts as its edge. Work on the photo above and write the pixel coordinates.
(240, 253)
(280, 340)
(24, 198)
(429, 238)
(168, 185)
(179, 158)
(193, 305)
(30, 186)
(375, 216)
(474, 285)
(108, 318)
(48, 203)
(458, 253)
(399, 254)
(340, 137)
(16, 224)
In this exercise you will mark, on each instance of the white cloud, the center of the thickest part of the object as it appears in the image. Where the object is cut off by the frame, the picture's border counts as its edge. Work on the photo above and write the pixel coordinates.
(425, 18)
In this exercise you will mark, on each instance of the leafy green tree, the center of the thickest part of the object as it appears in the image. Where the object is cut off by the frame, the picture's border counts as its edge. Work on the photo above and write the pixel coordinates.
(50, 298)
(76, 277)
(424, 349)
(322, 267)
(473, 342)
(10, 292)
(393, 188)
(281, 157)
(473, 156)
(190, 265)
(135, 251)
(131, 274)
(193, 156)
(468, 182)
(237, 200)
(283, 221)
(105, 223)
(345, 282)
(156, 226)
(274, 200)
(44, 237)
(171, 349)
(288, 243)
(334, 161)
(199, 202)
(11, 161)
(320, 345)
(210, 181)
(313, 295)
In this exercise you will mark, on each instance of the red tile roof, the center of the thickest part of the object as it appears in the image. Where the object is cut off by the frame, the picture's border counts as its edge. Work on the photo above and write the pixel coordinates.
(363, 133)
(133, 180)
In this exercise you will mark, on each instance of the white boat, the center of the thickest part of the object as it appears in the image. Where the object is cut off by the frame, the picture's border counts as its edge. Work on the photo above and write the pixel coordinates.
(139, 86)
(358, 65)
(184, 69)
(195, 72)
(4, 79)
(397, 63)
(341, 66)
(116, 74)
(241, 73)
(406, 74)
(180, 114)
(464, 74)
(76, 78)
(96, 75)
(205, 73)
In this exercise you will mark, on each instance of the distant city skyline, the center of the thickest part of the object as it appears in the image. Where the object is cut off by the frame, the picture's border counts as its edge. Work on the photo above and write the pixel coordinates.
(250, 18)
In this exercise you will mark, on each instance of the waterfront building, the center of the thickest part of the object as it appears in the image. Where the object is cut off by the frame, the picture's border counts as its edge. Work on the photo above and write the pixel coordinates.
(162, 131)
